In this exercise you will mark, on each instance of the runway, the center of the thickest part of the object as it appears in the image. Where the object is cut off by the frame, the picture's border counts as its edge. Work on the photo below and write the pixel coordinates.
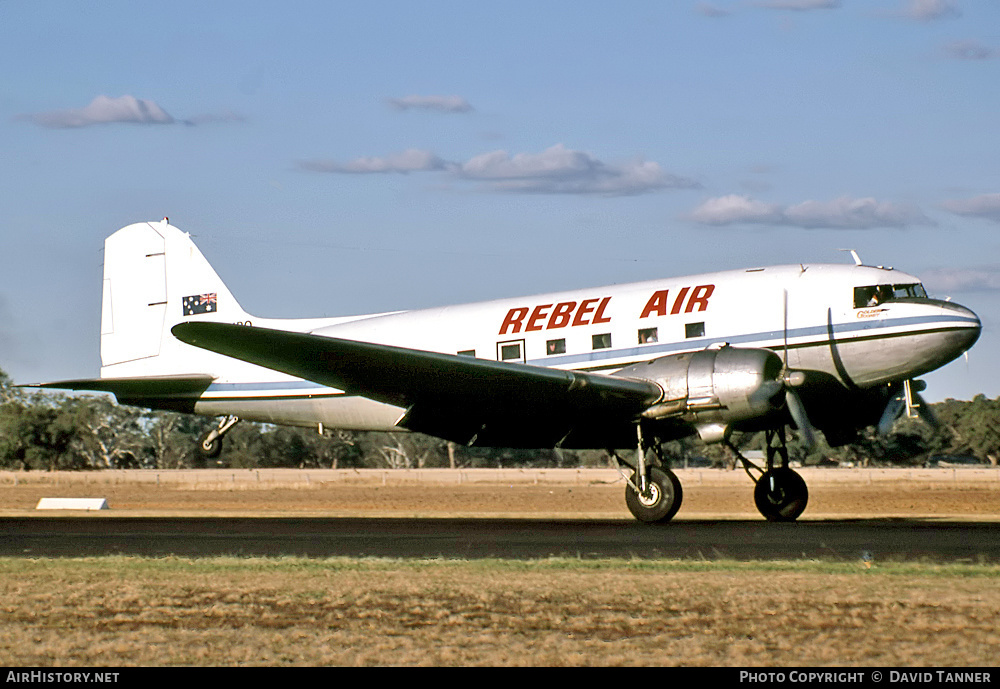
(888, 539)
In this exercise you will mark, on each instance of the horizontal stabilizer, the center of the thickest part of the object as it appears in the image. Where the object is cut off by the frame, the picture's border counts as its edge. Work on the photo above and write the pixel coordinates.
(175, 392)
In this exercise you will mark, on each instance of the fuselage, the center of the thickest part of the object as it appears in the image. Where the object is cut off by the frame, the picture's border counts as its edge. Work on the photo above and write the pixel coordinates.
(858, 326)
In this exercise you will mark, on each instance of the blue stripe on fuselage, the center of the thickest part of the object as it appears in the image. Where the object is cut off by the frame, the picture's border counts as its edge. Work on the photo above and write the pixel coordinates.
(777, 336)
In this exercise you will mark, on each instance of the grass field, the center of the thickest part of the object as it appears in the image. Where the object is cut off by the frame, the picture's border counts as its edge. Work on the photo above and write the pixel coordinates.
(130, 611)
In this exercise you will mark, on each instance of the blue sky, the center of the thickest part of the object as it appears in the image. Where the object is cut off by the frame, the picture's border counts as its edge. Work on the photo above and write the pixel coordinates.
(333, 158)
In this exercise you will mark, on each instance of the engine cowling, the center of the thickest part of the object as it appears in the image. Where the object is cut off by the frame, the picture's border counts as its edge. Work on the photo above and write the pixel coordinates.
(714, 388)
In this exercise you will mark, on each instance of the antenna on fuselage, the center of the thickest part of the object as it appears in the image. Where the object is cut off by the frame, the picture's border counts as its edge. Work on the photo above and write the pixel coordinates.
(857, 259)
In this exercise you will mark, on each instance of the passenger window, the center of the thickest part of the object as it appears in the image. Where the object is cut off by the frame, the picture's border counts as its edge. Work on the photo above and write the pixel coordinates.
(555, 346)
(647, 335)
(510, 351)
(602, 341)
(694, 330)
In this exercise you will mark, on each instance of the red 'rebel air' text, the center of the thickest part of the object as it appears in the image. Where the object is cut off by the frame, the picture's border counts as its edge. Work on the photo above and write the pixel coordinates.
(593, 311)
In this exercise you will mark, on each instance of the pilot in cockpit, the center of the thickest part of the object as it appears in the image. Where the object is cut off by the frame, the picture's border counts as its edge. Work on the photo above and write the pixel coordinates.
(882, 293)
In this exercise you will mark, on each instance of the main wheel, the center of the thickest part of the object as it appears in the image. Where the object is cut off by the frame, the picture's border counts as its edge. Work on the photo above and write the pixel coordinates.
(781, 495)
(661, 500)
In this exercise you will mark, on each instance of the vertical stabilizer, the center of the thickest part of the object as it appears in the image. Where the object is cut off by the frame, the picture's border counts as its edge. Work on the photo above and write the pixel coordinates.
(135, 294)
(155, 277)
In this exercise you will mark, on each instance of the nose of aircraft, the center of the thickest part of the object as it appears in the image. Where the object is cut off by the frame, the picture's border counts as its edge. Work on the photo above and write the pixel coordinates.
(968, 327)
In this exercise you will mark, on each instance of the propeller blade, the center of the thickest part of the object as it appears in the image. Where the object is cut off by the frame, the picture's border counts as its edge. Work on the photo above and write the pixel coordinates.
(799, 416)
(893, 410)
(784, 331)
(792, 379)
(770, 392)
(925, 412)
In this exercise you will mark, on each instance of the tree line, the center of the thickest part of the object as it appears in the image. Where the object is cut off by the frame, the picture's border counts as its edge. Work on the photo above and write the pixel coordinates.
(43, 431)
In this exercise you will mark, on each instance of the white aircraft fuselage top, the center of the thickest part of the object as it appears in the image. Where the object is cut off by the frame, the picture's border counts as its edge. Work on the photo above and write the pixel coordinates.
(745, 308)
(809, 314)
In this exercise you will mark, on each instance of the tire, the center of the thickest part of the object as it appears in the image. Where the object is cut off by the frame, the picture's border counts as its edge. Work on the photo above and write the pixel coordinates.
(781, 495)
(662, 501)
(209, 449)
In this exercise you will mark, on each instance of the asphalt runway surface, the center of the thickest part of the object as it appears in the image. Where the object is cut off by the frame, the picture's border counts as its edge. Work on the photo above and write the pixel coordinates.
(889, 539)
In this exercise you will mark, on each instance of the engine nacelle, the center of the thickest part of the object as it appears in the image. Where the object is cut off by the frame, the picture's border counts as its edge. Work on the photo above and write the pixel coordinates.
(714, 388)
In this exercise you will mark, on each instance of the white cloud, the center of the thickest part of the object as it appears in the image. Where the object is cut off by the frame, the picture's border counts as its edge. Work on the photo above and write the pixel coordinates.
(799, 5)
(708, 9)
(556, 170)
(410, 160)
(854, 214)
(104, 110)
(560, 170)
(439, 103)
(930, 10)
(122, 110)
(986, 206)
(727, 210)
(841, 213)
(215, 118)
(951, 280)
(970, 50)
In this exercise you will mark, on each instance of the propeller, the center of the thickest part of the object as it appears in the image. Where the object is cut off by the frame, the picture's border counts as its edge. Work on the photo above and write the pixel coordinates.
(908, 400)
(791, 380)
(781, 390)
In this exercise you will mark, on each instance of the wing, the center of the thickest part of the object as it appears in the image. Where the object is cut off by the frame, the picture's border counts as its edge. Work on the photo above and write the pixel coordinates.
(460, 398)
(174, 393)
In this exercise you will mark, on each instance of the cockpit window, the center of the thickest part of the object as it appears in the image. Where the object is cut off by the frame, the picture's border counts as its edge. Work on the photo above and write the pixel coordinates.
(903, 291)
(873, 295)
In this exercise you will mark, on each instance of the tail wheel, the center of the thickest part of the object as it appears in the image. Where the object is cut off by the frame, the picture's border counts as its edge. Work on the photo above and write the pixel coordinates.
(210, 443)
(781, 495)
(661, 500)
(210, 447)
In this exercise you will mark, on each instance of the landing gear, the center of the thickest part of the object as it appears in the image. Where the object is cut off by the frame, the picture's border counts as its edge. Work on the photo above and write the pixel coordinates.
(780, 493)
(653, 493)
(210, 443)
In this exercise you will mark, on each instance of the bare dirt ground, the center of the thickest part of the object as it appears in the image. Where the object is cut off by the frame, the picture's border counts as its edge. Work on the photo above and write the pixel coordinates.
(598, 493)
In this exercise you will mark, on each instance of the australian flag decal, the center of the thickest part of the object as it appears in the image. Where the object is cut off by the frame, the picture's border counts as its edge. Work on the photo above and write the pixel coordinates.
(201, 303)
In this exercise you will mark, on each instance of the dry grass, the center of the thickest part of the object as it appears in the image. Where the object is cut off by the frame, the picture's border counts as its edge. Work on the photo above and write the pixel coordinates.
(130, 611)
